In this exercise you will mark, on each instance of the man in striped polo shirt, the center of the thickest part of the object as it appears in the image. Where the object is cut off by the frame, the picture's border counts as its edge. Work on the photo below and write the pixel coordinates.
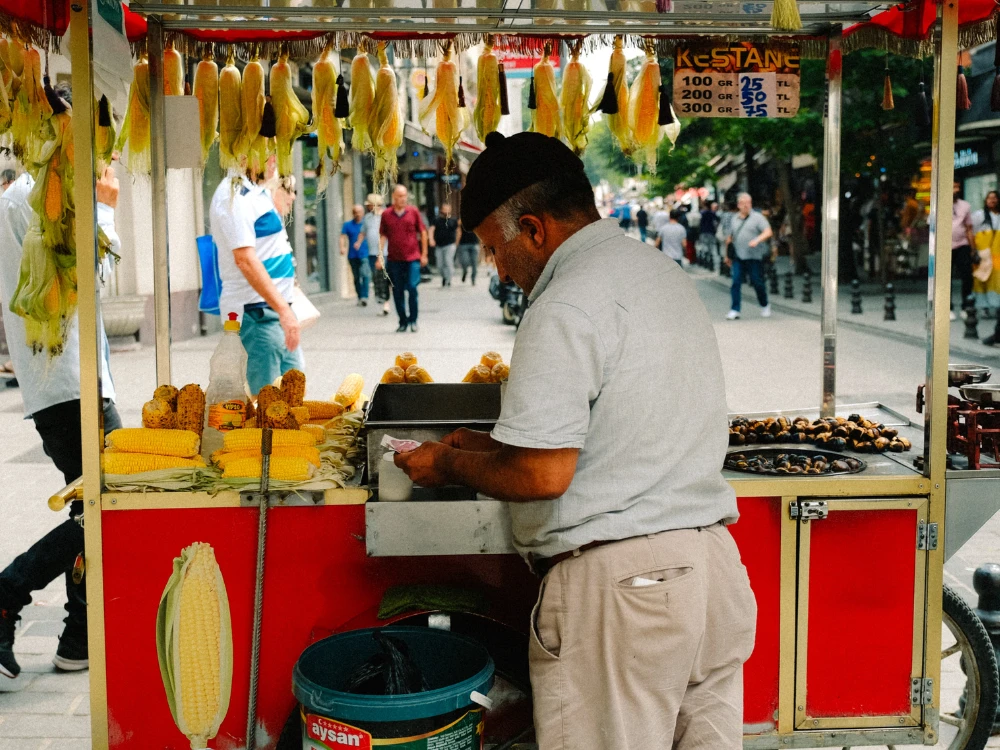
(258, 277)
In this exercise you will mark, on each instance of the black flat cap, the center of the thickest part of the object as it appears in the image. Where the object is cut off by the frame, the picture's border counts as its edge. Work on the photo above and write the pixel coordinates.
(509, 165)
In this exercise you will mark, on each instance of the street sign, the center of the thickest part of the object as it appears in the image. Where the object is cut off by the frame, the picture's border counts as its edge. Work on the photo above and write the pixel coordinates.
(737, 79)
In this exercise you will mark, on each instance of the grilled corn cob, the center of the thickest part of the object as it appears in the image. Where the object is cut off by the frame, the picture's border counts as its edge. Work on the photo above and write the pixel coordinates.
(440, 113)
(135, 129)
(191, 408)
(349, 390)
(139, 463)
(329, 128)
(167, 393)
(293, 387)
(180, 443)
(386, 123)
(300, 413)
(362, 101)
(478, 374)
(286, 468)
(499, 373)
(417, 374)
(575, 102)
(394, 375)
(194, 644)
(157, 415)
(206, 90)
(644, 111)
(292, 119)
(486, 114)
(173, 71)
(545, 117)
(405, 359)
(618, 123)
(279, 417)
(249, 437)
(323, 409)
(311, 454)
(267, 396)
(491, 359)
(230, 114)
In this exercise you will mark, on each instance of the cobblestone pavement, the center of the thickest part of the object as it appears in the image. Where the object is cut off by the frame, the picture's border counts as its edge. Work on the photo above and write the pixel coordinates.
(768, 363)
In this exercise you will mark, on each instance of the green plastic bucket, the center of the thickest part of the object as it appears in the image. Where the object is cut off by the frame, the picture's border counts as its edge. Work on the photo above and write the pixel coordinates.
(448, 716)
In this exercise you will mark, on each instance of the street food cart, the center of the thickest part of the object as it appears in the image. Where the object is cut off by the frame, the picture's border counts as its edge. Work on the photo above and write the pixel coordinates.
(847, 569)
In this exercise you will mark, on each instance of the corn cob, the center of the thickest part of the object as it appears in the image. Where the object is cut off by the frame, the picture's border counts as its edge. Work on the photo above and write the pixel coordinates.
(386, 123)
(618, 123)
(286, 468)
(236, 440)
(267, 396)
(311, 454)
(167, 393)
(478, 374)
(417, 374)
(206, 90)
(644, 111)
(135, 129)
(545, 117)
(362, 100)
(405, 359)
(194, 644)
(349, 390)
(279, 417)
(104, 134)
(486, 114)
(329, 128)
(316, 431)
(301, 414)
(31, 109)
(16, 52)
(394, 375)
(251, 411)
(114, 462)
(440, 113)
(157, 415)
(575, 102)
(248, 148)
(499, 373)
(490, 359)
(230, 114)
(293, 387)
(292, 119)
(173, 71)
(181, 443)
(323, 409)
(191, 408)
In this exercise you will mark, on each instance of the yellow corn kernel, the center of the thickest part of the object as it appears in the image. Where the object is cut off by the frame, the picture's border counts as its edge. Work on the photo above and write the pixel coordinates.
(167, 393)
(575, 102)
(53, 196)
(158, 415)
(499, 373)
(191, 408)
(286, 468)
(309, 453)
(317, 431)
(405, 359)
(293, 387)
(301, 414)
(349, 390)
(322, 410)
(181, 443)
(249, 437)
(394, 375)
(137, 463)
(173, 71)
(478, 374)
(417, 374)
(644, 111)
(362, 98)
(386, 123)
(491, 359)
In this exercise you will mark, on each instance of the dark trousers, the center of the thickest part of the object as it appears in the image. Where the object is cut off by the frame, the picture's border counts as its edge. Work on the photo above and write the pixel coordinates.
(404, 275)
(755, 270)
(379, 281)
(961, 267)
(468, 259)
(359, 270)
(54, 554)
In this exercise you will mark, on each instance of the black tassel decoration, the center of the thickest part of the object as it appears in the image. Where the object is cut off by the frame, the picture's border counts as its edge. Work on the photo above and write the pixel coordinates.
(268, 122)
(609, 101)
(504, 101)
(962, 100)
(104, 112)
(342, 107)
(461, 93)
(532, 101)
(666, 116)
(887, 101)
(57, 104)
(427, 86)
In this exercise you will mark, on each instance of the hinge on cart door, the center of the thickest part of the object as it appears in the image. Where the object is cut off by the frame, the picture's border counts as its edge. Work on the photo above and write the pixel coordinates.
(921, 691)
(927, 535)
(808, 510)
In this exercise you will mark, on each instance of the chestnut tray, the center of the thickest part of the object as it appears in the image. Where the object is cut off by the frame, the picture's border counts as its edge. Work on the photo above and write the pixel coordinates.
(772, 453)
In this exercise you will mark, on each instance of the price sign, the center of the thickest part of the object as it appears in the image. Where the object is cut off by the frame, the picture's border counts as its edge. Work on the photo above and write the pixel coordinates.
(742, 79)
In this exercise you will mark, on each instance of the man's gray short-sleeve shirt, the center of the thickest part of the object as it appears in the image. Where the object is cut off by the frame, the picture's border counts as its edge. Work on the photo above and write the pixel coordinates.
(744, 230)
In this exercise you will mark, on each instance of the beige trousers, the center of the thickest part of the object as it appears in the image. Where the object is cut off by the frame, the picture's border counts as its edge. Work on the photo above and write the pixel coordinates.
(616, 666)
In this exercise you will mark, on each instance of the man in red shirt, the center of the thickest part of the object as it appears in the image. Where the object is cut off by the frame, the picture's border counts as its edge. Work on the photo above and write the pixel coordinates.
(406, 236)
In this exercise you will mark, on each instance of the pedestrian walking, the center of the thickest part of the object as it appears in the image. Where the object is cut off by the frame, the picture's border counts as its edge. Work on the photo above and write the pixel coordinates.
(708, 225)
(445, 240)
(750, 236)
(625, 217)
(354, 244)
(672, 238)
(986, 286)
(50, 392)
(257, 269)
(406, 240)
(642, 222)
(376, 250)
(468, 253)
(962, 242)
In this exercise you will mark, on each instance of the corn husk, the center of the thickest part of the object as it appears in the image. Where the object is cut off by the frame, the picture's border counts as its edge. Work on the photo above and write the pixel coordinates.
(575, 103)
(644, 112)
(362, 100)
(386, 123)
(441, 113)
(487, 112)
(250, 149)
(618, 123)
(545, 117)
(230, 114)
(206, 90)
(135, 128)
(173, 71)
(291, 117)
(329, 127)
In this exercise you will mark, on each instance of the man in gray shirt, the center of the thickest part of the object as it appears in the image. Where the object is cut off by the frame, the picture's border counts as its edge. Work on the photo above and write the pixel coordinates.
(609, 449)
(672, 237)
(750, 233)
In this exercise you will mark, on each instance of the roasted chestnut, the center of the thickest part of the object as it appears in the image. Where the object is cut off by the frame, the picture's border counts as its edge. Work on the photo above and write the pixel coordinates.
(837, 443)
(840, 465)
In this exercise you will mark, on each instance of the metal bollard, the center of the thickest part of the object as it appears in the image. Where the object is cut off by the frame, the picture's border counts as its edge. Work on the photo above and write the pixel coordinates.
(710, 261)
(856, 298)
(807, 289)
(772, 279)
(971, 319)
(986, 582)
(890, 303)
(789, 288)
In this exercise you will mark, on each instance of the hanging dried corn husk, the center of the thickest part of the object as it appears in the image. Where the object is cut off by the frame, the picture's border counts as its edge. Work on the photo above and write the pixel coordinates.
(545, 116)
(962, 101)
(785, 16)
(104, 134)
(173, 71)
(206, 90)
(887, 100)
(441, 113)
(135, 129)
(31, 109)
(575, 102)
(386, 123)
(615, 100)
(291, 117)
(487, 112)
(327, 91)
(251, 149)
(230, 114)
(644, 111)
(362, 98)
(11, 80)
(16, 52)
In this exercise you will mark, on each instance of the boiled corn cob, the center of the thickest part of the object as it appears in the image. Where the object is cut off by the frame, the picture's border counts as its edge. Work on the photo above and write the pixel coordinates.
(230, 114)
(440, 113)
(138, 463)
(293, 387)
(329, 128)
(394, 375)
(491, 359)
(644, 111)
(157, 415)
(181, 443)
(194, 644)
(301, 414)
(349, 390)
(191, 408)
(386, 123)
(362, 100)
(618, 123)
(486, 114)
(135, 129)
(167, 393)
(292, 119)
(575, 102)
(478, 374)
(405, 359)
(286, 468)
(311, 454)
(236, 440)
(206, 90)
(323, 409)
(173, 71)
(545, 118)
(315, 430)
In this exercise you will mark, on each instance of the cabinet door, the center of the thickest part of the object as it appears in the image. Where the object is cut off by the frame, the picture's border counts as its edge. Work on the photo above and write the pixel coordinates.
(860, 615)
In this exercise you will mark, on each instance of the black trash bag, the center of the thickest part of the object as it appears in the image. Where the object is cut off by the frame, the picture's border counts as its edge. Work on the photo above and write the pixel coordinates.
(390, 672)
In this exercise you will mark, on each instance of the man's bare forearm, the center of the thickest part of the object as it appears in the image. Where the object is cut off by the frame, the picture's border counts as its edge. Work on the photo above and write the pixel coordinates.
(501, 474)
(256, 275)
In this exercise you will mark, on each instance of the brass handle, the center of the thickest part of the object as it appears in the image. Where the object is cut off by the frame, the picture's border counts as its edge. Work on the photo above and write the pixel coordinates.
(69, 493)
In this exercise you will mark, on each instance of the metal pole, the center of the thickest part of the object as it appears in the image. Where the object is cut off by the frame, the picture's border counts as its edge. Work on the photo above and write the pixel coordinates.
(88, 315)
(831, 220)
(158, 191)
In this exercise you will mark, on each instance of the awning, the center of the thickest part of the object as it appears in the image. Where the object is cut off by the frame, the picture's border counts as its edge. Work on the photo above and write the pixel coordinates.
(905, 29)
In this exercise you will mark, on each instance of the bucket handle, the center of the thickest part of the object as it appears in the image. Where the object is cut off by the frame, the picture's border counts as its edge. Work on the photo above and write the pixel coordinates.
(482, 700)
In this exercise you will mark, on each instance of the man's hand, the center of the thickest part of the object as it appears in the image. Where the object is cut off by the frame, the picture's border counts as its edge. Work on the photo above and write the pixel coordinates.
(290, 325)
(425, 465)
(107, 188)
(378, 263)
(471, 440)
(754, 242)
(423, 259)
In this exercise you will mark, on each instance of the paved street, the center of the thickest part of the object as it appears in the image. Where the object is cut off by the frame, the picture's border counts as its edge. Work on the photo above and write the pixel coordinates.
(772, 363)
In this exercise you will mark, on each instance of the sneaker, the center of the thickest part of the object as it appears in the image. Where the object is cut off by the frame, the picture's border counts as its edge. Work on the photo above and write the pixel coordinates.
(364, 303)
(8, 664)
(765, 311)
(385, 309)
(732, 315)
(964, 314)
(952, 316)
(71, 655)
(401, 329)
(990, 340)
(413, 327)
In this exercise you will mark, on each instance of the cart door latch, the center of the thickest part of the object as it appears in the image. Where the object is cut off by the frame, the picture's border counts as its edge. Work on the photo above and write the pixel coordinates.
(921, 691)
(808, 510)
(927, 536)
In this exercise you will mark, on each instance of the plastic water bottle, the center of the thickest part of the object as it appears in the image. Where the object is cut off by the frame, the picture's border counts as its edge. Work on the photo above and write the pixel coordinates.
(228, 391)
